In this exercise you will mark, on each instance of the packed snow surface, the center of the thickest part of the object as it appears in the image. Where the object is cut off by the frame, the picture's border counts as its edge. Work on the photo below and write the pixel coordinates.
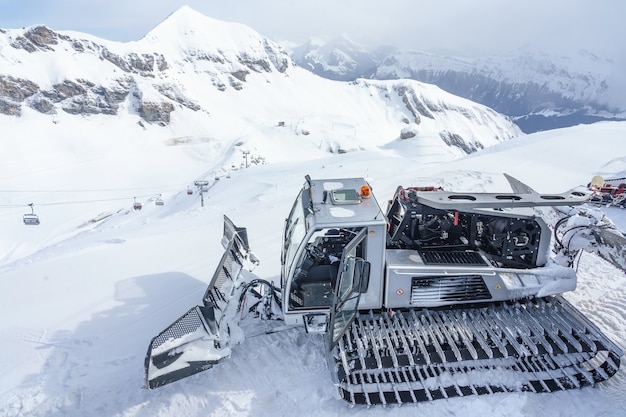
(86, 290)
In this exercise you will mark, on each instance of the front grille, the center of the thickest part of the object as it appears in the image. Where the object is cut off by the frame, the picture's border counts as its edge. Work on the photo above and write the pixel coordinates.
(452, 257)
(187, 324)
(437, 289)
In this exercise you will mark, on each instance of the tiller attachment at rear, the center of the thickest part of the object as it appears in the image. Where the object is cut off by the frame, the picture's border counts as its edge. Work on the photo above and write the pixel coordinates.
(203, 336)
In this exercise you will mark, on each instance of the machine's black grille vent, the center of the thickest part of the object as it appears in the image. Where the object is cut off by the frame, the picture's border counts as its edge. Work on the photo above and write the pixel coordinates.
(432, 290)
(452, 257)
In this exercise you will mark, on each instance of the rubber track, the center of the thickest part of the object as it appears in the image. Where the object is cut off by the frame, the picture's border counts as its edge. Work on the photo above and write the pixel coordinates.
(539, 345)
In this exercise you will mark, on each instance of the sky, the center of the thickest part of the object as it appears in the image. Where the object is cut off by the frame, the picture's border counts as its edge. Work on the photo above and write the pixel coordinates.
(446, 26)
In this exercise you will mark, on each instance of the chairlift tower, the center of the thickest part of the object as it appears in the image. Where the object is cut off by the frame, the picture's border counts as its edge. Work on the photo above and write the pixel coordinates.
(245, 155)
(203, 187)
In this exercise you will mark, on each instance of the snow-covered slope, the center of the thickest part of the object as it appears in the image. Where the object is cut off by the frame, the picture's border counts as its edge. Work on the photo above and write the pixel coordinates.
(540, 91)
(525, 85)
(194, 89)
(192, 75)
(78, 73)
(322, 117)
(81, 304)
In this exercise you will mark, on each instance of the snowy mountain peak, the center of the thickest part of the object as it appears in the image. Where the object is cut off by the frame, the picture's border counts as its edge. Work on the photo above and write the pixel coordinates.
(192, 75)
(76, 73)
(188, 29)
(232, 47)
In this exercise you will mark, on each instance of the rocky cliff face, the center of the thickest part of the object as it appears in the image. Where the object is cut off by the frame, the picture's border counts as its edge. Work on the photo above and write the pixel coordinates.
(453, 115)
(90, 76)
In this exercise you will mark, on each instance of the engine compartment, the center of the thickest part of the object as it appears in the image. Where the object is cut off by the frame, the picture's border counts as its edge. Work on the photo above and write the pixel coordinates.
(509, 240)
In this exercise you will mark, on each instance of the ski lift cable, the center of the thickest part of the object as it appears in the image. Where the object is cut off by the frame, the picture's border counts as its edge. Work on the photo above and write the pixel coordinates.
(170, 186)
(59, 203)
(164, 186)
(102, 200)
(70, 202)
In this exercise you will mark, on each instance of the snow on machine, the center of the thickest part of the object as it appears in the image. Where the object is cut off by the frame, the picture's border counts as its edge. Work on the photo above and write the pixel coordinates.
(446, 294)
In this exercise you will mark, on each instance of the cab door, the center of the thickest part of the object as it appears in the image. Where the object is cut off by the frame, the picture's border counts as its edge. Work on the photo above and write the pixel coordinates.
(352, 280)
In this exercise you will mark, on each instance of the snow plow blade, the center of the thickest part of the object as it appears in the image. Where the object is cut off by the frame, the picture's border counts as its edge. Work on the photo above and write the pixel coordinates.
(539, 345)
(203, 336)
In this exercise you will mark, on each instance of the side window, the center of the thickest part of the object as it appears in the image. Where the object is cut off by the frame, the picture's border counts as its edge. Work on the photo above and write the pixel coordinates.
(346, 285)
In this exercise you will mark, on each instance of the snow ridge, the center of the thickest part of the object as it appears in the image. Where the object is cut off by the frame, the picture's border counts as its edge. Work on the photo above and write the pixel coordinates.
(538, 90)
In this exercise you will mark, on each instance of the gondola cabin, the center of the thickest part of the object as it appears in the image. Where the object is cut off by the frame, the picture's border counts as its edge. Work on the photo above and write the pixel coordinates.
(31, 219)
